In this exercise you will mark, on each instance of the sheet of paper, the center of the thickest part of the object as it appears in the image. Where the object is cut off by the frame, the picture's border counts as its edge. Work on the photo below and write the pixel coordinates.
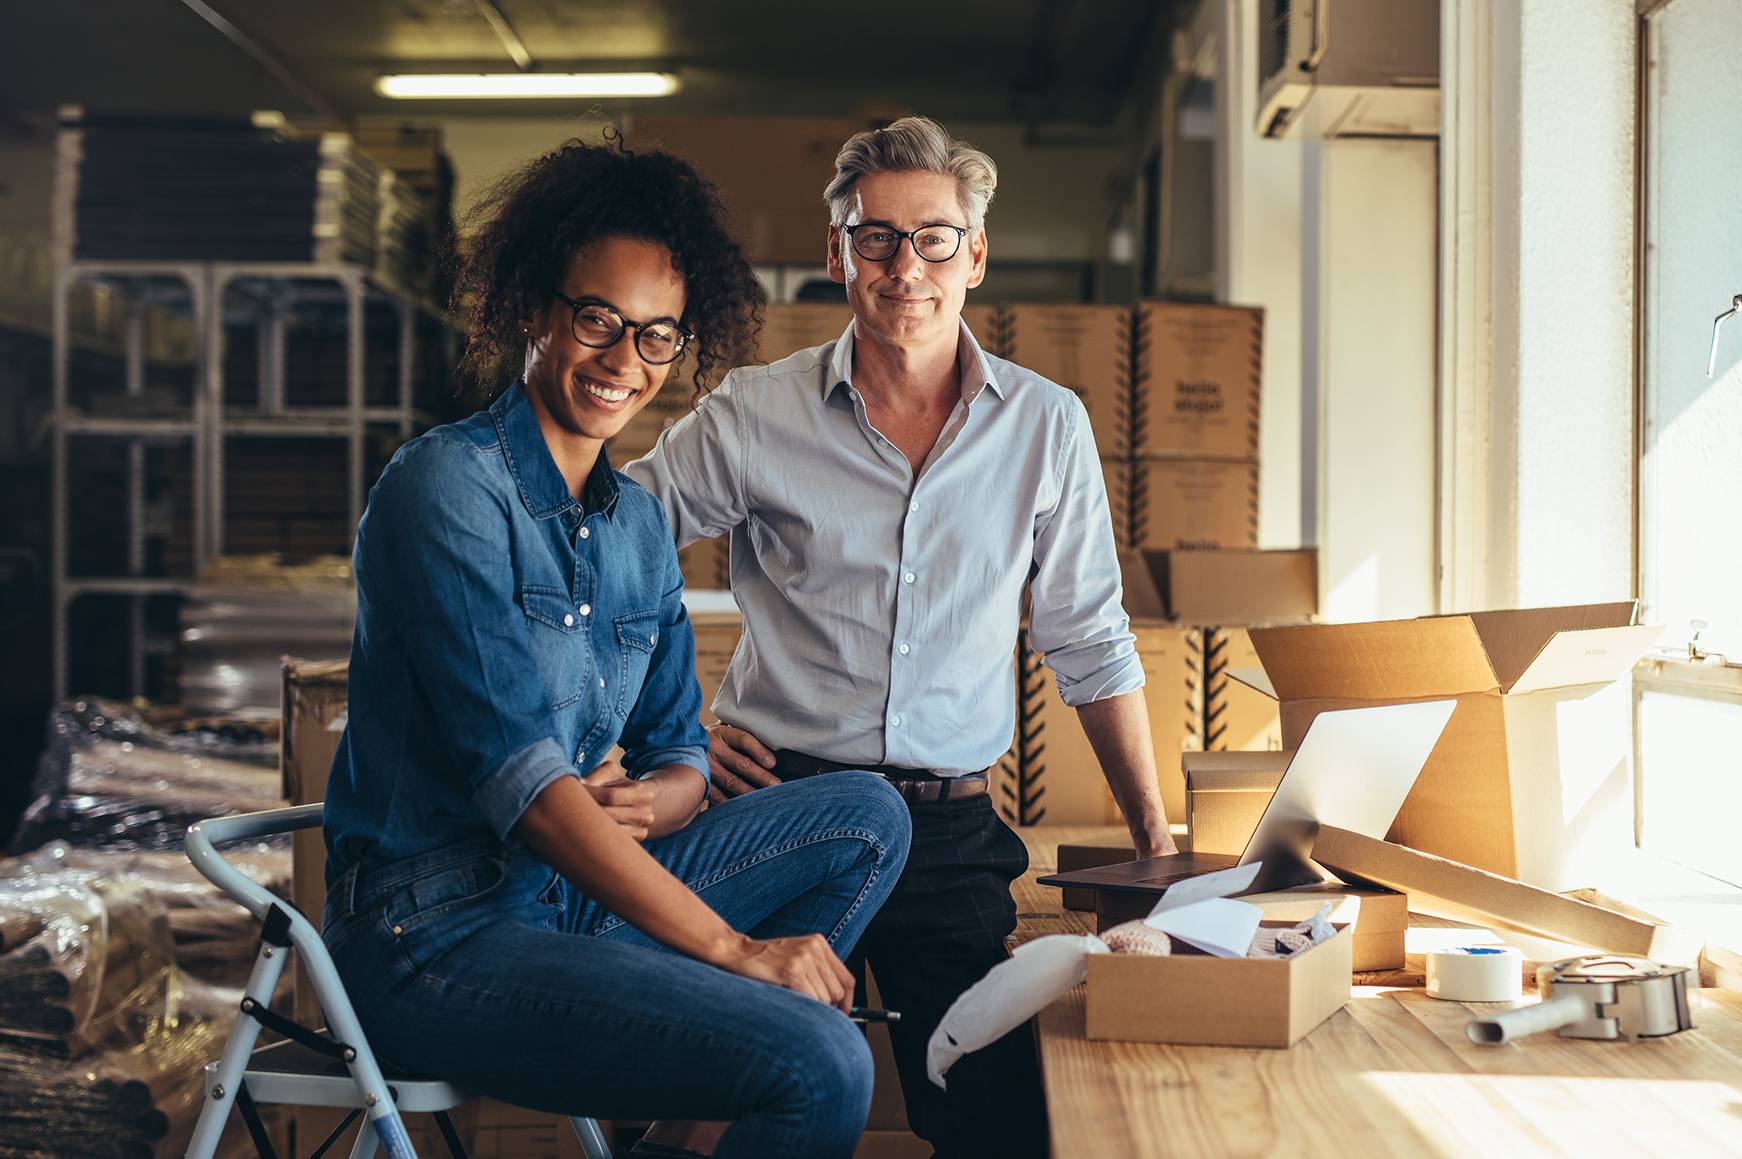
(1011, 993)
(1222, 883)
(1217, 925)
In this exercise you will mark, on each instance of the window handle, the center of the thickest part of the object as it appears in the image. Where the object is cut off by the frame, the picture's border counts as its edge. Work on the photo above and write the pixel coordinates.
(1717, 325)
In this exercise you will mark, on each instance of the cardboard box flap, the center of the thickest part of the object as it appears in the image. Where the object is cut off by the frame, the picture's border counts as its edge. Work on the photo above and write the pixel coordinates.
(1593, 656)
(1254, 678)
(1234, 772)
(1383, 660)
(1514, 637)
(1234, 586)
(1142, 597)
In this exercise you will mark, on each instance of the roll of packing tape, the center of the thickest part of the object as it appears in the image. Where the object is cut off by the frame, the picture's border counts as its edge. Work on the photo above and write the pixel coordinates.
(1475, 974)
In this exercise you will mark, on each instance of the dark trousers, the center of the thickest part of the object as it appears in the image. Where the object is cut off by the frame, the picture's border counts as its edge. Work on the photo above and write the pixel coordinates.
(938, 933)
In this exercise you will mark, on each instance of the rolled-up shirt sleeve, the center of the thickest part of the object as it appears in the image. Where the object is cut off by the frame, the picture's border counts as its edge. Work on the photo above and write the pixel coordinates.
(1077, 615)
(433, 552)
(664, 728)
(697, 468)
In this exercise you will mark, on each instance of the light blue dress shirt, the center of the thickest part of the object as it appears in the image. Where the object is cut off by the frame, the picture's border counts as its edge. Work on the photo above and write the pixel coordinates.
(881, 605)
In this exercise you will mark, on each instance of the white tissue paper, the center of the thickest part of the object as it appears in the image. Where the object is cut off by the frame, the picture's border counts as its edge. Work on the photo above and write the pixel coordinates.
(1012, 992)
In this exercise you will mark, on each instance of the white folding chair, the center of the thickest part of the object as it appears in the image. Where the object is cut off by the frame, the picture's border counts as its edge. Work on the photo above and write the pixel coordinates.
(330, 1067)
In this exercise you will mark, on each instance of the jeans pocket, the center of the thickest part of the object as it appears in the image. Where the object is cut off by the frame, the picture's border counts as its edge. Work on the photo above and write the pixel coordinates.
(423, 901)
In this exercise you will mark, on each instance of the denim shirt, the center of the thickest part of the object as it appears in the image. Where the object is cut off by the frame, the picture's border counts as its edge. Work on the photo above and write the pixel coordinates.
(506, 636)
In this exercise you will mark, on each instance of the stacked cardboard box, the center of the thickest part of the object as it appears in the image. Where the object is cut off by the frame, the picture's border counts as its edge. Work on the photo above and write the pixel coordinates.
(1172, 391)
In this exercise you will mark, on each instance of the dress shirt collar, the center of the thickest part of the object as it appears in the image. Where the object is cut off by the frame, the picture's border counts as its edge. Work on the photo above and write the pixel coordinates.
(542, 486)
(971, 366)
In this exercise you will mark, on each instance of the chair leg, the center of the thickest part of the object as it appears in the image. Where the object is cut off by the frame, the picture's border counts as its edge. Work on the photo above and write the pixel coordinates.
(592, 1137)
(218, 1097)
(449, 1135)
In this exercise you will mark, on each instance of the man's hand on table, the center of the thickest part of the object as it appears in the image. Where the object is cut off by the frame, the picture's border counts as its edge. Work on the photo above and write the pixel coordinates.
(1153, 839)
(738, 763)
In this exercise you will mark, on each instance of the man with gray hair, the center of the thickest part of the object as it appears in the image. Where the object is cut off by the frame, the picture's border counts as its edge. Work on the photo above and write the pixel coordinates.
(890, 496)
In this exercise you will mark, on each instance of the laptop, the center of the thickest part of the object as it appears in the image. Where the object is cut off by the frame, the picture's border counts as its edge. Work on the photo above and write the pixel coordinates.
(1353, 770)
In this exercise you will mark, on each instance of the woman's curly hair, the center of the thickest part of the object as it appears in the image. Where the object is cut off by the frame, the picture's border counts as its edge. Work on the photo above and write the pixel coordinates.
(531, 223)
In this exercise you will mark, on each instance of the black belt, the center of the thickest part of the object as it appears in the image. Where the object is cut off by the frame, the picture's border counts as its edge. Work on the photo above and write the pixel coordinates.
(916, 785)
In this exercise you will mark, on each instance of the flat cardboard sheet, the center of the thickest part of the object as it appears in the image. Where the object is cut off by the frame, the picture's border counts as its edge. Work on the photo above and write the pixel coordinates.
(1469, 894)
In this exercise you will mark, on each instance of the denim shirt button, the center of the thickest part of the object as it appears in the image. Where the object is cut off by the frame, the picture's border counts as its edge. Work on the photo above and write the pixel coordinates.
(585, 532)
(568, 621)
(601, 682)
(586, 609)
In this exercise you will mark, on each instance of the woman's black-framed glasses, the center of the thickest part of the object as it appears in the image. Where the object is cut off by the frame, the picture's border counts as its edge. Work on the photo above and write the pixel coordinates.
(599, 324)
(876, 242)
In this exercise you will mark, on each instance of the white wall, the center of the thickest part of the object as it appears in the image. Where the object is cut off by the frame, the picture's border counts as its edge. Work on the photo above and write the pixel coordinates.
(1258, 264)
(1548, 493)
(1370, 302)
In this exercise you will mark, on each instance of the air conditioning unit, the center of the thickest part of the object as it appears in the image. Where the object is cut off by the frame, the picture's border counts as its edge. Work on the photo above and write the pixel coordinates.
(1349, 68)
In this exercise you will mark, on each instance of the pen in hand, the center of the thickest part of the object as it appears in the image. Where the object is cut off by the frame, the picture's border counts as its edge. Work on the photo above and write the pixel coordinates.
(873, 1014)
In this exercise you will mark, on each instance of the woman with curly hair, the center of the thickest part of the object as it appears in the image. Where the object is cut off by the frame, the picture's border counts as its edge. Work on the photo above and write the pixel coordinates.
(509, 911)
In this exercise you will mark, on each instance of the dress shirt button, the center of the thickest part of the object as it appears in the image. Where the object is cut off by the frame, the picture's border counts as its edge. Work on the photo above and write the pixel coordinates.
(908, 578)
(585, 532)
(895, 720)
(586, 609)
(912, 506)
(904, 649)
(568, 620)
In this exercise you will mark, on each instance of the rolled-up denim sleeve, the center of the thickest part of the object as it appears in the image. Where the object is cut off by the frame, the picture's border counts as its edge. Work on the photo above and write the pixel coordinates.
(1077, 616)
(664, 727)
(432, 551)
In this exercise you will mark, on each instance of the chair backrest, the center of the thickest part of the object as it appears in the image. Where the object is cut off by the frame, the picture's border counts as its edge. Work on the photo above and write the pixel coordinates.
(200, 846)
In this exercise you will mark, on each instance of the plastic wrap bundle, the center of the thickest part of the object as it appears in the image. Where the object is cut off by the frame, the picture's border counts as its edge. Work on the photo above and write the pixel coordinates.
(212, 937)
(102, 1039)
(108, 780)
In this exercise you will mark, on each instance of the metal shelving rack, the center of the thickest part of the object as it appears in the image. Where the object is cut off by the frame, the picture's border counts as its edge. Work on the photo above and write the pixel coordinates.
(199, 290)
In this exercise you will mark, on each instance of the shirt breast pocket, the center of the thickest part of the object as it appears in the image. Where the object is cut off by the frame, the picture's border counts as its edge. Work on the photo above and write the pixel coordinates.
(637, 637)
(559, 643)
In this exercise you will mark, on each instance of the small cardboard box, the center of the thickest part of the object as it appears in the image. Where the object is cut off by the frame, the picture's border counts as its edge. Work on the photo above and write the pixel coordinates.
(1086, 349)
(717, 633)
(1197, 380)
(1530, 779)
(1231, 585)
(1183, 503)
(1464, 893)
(1226, 793)
(1202, 1000)
(1379, 923)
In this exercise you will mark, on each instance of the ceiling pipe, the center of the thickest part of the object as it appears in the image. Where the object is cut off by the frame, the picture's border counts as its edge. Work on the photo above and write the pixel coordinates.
(511, 42)
(265, 59)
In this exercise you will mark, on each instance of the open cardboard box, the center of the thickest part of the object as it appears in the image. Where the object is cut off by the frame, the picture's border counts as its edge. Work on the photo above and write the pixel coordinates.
(1530, 779)
(1203, 1000)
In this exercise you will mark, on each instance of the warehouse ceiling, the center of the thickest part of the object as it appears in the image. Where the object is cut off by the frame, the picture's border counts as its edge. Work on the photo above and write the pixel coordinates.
(1035, 61)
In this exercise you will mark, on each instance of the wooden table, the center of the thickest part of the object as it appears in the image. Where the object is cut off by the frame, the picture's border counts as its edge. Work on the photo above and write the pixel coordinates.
(1391, 1074)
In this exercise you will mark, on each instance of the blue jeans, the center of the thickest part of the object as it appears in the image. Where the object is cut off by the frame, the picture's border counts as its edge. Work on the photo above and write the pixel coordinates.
(479, 965)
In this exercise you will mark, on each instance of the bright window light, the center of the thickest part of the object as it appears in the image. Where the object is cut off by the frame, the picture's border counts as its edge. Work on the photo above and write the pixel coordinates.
(524, 85)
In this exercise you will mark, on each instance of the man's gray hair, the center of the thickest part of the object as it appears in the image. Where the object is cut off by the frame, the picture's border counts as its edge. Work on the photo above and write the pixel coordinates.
(913, 144)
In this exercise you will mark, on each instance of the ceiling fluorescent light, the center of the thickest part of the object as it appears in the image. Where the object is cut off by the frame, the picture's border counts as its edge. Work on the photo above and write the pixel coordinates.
(524, 85)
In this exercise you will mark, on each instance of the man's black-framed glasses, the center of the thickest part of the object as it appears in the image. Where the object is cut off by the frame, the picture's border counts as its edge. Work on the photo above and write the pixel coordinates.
(599, 324)
(876, 242)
